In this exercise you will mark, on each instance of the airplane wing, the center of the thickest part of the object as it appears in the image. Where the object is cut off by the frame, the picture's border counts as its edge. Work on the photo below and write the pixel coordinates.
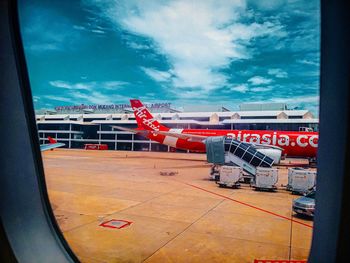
(272, 151)
(45, 147)
(185, 136)
(52, 145)
(266, 146)
(189, 137)
(140, 132)
(200, 138)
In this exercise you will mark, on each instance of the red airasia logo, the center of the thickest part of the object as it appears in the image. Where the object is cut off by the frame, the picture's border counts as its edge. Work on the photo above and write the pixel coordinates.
(141, 112)
(301, 140)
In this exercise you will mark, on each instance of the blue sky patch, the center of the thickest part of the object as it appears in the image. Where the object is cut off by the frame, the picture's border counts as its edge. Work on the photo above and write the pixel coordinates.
(183, 52)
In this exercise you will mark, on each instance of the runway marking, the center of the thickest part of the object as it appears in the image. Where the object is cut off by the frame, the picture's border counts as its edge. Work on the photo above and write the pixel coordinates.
(69, 157)
(246, 204)
(116, 223)
(185, 229)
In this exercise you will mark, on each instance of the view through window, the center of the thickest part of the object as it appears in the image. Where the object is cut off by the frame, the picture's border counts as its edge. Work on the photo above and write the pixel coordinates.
(178, 131)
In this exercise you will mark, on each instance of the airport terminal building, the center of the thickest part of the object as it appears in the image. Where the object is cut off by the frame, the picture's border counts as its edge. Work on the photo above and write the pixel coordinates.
(92, 124)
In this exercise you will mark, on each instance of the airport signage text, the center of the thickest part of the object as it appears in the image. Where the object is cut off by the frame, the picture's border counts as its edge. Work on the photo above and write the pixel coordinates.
(104, 107)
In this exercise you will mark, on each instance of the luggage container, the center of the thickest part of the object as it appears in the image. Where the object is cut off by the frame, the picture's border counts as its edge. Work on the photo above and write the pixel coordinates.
(230, 176)
(292, 171)
(301, 180)
(265, 179)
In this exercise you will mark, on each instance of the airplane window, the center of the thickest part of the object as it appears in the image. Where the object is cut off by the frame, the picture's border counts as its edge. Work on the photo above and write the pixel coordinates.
(178, 131)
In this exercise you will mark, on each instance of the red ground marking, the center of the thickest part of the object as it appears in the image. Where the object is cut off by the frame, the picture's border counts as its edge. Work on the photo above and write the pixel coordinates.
(246, 204)
(115, 223)
(278, 261)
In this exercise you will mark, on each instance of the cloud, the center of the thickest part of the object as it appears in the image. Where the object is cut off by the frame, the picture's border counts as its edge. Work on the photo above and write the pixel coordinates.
(198, 39)
(135, 45)
(297, 100)
(113, 84)
(88, 86)
(305, 35)
(95, 92)
(188, 95)
(268, 5)
(71, 86)
(157, 75)
(278, 73)
(258, 80)
(77, 27)
(92, 28)
(308, 62)
(261, 89)
(93, 97)
(310, 73)
(96, 26)
(243, 88)
(59, 98)
(98, 31)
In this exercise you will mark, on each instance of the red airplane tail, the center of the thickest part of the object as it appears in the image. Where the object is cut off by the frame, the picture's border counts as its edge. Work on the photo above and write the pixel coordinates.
(144, 118)
(51, 140)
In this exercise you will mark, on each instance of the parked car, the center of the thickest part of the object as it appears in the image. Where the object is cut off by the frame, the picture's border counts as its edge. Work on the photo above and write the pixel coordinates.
(305, 205)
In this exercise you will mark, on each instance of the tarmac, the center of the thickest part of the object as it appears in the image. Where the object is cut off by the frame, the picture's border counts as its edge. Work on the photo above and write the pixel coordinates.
(183, 217)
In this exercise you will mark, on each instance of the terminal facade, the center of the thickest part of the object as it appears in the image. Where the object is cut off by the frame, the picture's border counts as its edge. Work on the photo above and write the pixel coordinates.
(79, 125)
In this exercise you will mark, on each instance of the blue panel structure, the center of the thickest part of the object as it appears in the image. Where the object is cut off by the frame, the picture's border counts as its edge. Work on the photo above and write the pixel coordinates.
(215, 150)
(247, 152)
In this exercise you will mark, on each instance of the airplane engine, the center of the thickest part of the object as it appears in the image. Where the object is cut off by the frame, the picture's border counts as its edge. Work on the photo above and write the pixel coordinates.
(273, 153)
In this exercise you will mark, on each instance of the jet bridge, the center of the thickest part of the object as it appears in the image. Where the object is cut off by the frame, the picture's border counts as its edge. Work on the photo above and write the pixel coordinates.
(223, 150)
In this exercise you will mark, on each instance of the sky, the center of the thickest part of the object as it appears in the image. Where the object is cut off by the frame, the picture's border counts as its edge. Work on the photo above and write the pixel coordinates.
(184, 52)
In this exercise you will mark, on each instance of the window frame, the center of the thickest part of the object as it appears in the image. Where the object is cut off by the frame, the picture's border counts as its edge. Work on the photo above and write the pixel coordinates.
(23, 194)
(30, 231)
